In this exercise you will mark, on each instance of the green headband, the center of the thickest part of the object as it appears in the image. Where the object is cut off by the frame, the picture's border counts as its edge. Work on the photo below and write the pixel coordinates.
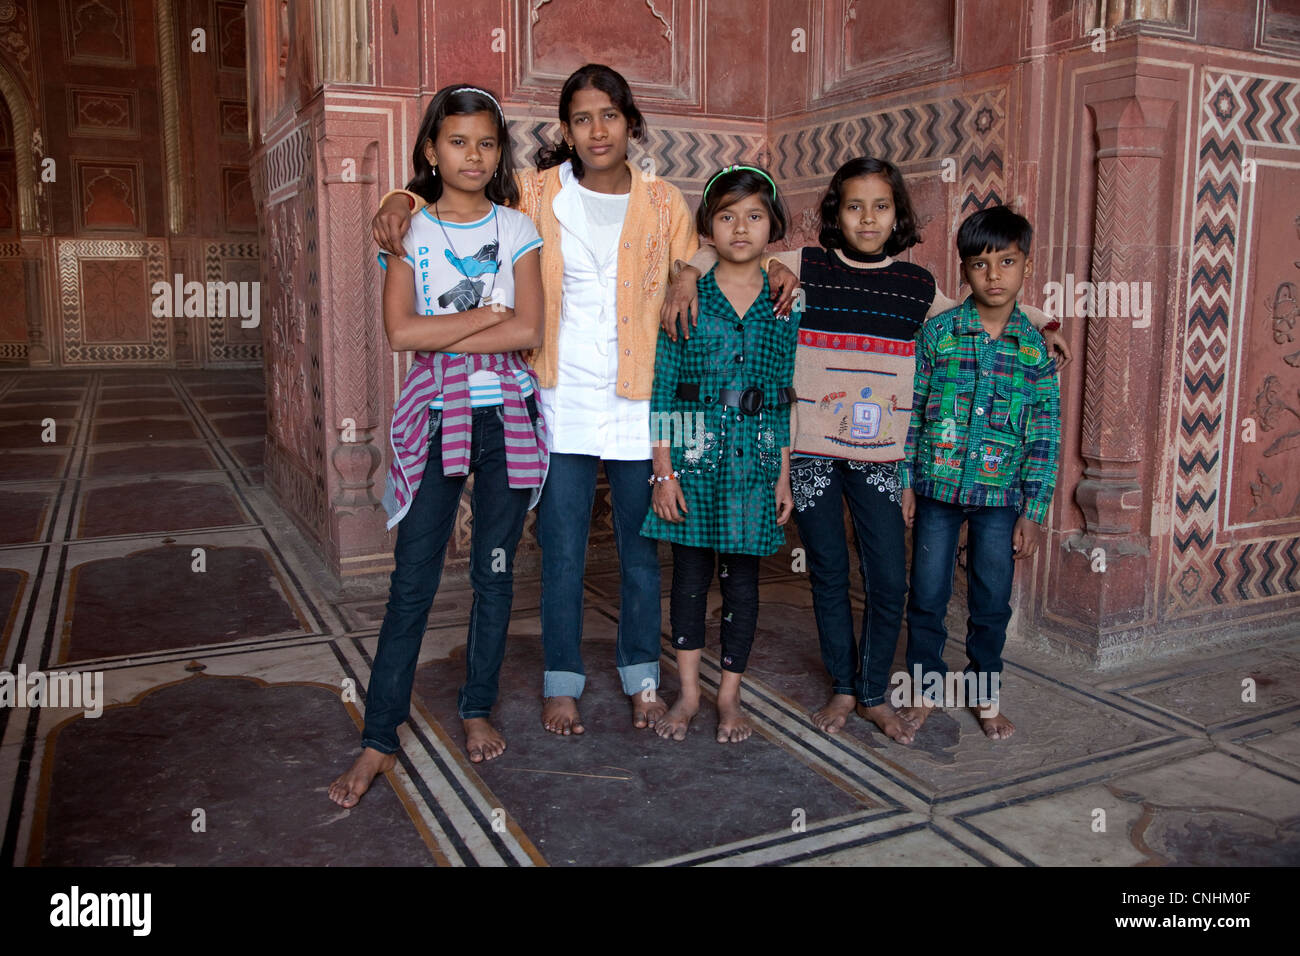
(732, 169)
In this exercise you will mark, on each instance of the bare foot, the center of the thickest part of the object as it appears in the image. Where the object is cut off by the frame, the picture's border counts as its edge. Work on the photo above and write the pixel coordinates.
(348, 788)
(830, 719)
(733, 725)
(994, 723)
(560, 716)
(891, 722)
(647, 708)
(482, 740)
(677, 720)
(916, 716)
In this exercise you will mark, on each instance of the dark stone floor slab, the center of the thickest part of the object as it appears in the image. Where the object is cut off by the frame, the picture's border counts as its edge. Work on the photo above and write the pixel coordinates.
(143, 376)
(152, 600)
(24, 466)
(140, 507)
(11, 591)
(113, 392)
(44, 394)
(251, 453)
(144, 429)
(239, 426)
(256, 760)
(28, 435)
(234, 403)
(24, 515)
(151, 460)
(138, 408)
(52, 378)
(226, 388)
(620, 796)
(37, 411)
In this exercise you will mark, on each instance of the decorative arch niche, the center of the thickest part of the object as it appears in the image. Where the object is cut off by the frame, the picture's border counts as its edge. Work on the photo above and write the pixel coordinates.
(20, 112)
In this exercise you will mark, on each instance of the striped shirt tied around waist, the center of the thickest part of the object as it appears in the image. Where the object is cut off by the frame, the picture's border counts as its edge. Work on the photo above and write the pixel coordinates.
(442, 374)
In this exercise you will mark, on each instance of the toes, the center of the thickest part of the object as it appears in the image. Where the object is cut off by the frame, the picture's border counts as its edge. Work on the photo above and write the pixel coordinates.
(476, 755)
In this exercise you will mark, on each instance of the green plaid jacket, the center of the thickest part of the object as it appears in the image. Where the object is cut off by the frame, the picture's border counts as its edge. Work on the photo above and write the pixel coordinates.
(986, 415)
(729, 462)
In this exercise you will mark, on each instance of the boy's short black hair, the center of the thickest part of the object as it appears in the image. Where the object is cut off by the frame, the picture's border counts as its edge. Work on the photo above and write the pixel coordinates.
(731, 186)
(997, 227)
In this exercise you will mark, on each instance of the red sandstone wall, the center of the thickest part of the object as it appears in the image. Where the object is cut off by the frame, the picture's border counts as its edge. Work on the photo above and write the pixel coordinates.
(88, 76)
(1165, 154)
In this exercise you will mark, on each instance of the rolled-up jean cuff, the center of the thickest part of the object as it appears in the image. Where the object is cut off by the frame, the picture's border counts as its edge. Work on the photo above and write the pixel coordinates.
(639, 677)
(844, 689)
(871, 701)
(472, 714)
(376, 745)
(563, 684)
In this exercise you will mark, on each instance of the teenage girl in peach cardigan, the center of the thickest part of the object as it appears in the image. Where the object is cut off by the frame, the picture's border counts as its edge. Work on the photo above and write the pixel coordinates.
(610, 236)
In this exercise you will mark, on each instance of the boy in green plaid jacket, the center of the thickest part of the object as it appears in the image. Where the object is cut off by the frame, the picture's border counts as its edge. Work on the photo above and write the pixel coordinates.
(720, 436)
(982, 449)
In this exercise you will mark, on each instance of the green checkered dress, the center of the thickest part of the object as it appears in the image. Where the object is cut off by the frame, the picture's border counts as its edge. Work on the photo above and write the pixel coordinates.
(729, 461)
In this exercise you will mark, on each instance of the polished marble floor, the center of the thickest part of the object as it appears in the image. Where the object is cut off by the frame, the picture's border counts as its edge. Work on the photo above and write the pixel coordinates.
(229, 703)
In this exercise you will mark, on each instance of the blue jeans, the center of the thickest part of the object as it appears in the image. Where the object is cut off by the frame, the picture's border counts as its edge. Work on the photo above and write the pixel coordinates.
(422, 537)
(857, 666)
(990, 566)
(563, 523)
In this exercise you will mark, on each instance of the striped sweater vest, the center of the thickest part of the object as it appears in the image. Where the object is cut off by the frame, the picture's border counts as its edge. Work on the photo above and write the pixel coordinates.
(440, 374)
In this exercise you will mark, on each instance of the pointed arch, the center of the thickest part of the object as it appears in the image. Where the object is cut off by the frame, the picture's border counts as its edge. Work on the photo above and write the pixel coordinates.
(20, 110)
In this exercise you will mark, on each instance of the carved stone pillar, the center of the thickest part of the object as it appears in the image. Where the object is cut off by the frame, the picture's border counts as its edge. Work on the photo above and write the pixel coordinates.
(350, 307)
(38, 350)
(343, 40)
(169, 83)
(1111, 13)
(1129, 261)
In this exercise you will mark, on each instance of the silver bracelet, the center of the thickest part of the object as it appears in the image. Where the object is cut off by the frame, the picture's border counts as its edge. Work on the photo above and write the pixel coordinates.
(655, 479)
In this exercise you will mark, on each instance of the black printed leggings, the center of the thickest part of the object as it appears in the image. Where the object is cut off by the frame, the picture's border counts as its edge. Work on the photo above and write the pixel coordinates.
(692, 577)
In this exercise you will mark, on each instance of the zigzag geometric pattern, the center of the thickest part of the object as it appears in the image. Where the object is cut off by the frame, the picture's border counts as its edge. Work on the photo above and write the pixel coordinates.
(970, 130)
(220, 348)
(685, 157)
(286, 162)
(75, 349)
(1234, 109)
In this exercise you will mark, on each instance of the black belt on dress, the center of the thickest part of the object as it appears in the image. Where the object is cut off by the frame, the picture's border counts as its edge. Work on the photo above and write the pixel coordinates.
(749, 400)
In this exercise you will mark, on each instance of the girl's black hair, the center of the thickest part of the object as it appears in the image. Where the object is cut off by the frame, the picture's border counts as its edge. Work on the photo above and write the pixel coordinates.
(455, 100)
(992, 230)
(905, 234)
(729, 187)
(593, 76)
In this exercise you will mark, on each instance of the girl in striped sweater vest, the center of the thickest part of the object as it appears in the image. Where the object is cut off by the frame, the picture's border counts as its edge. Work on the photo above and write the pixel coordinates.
(853, 377)
(466, 297)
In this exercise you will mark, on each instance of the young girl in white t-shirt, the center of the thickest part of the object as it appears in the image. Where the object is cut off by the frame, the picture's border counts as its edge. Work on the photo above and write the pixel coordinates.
(467, 299)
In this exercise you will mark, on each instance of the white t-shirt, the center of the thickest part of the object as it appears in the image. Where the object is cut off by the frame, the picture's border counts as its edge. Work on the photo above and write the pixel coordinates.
(584, 412)
(463, 265)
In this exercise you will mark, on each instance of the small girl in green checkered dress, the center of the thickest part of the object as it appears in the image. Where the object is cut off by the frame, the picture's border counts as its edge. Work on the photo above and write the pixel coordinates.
(720, 437)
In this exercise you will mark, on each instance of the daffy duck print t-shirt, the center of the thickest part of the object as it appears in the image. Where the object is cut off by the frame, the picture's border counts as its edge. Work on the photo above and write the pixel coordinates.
(463, 265)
